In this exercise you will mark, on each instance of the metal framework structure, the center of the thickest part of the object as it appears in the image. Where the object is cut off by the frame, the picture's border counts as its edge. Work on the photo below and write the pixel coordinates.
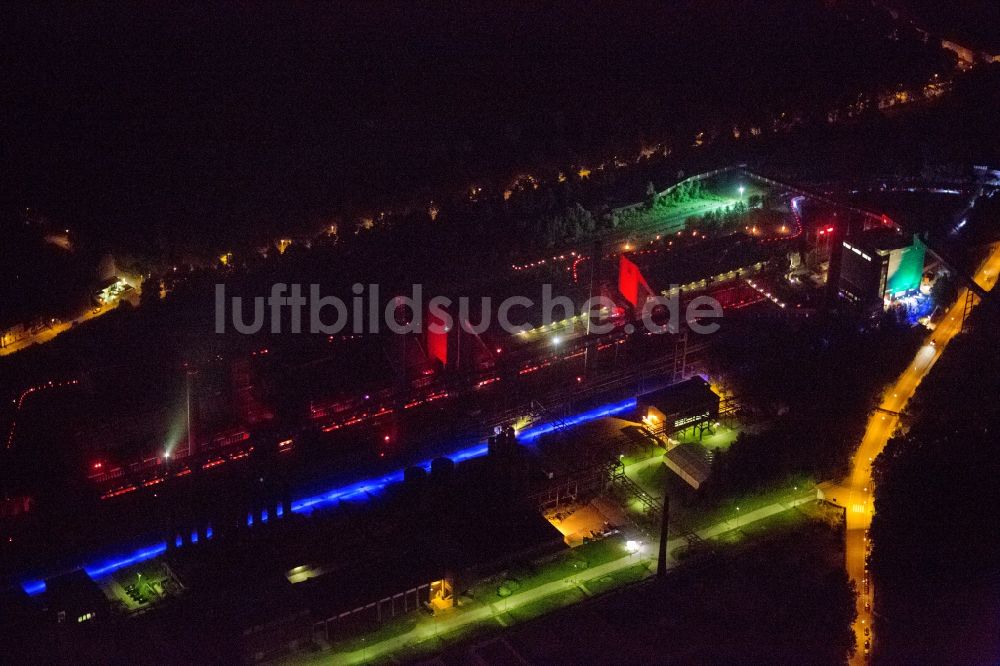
(970, 302)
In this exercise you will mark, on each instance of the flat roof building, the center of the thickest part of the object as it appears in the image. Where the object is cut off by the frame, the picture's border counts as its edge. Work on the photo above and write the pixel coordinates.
(679, 406)
(690, 461)
(74, 598)
(880, 266)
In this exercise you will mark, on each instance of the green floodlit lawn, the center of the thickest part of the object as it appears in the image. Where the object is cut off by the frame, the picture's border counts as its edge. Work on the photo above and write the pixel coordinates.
(685, 506)
(652, 477)
(810, 516)
(423, 650)
(810, 520)
(641, 456)
(546, 604)
(772, 527)
(530, 611)
(389, 629)
(573, 561)
(702, 517)
(740, 534)
(722, 438)
(632, 574)
(675, 216)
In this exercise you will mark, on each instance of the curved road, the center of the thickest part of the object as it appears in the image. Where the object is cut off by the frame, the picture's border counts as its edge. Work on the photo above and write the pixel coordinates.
(855, 492)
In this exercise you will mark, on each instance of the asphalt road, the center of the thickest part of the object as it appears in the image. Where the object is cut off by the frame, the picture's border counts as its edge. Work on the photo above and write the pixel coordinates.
(855, 492)
(51, 331)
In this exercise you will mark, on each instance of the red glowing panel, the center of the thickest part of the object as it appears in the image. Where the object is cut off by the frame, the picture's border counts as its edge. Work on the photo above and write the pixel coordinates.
(437, 343)
(629, 280)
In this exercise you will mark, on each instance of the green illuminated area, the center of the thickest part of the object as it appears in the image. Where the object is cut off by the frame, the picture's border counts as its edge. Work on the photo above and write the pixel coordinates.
(720, 437)
(528, 590)
(668, 212)
(909, 270)
(646, 467)
(138, 587)
(557, 330)
(581, 574)
(672, 218)
(690, 509)
(525, 577)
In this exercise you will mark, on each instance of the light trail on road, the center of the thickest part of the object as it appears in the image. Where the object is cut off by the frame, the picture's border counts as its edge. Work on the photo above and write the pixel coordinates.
(855, 492)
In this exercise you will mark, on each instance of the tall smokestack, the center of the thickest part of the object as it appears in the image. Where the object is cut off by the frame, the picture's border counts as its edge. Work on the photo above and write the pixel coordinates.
(661, 563)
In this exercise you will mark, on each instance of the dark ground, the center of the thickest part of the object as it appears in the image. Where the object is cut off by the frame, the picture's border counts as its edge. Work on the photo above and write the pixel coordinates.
(723, 609)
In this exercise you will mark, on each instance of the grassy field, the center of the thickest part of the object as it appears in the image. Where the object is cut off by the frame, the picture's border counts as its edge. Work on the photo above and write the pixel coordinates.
(719, 608)
(397, 626)
(528, 576)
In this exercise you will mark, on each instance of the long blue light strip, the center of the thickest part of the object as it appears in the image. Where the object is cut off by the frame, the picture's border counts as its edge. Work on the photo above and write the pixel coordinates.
(531, 434)
(359, 490)
(110, 566)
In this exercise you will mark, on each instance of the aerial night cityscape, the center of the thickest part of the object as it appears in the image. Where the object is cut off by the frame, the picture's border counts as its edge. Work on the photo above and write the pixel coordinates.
(658, 332)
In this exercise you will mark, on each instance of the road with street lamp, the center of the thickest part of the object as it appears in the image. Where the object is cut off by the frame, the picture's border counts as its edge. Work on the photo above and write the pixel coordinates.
(855, 492)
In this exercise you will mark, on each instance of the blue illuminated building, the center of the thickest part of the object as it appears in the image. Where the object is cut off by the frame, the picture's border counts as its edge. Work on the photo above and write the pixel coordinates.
(359, 490)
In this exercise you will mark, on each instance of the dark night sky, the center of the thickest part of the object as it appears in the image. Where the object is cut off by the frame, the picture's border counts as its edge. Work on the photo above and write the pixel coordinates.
(162, 122)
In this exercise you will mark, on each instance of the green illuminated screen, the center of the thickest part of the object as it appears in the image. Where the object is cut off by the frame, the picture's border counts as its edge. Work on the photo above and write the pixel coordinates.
(906, 268)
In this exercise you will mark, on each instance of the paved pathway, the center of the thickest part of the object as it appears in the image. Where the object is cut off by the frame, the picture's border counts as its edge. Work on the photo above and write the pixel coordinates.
(428, 628)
